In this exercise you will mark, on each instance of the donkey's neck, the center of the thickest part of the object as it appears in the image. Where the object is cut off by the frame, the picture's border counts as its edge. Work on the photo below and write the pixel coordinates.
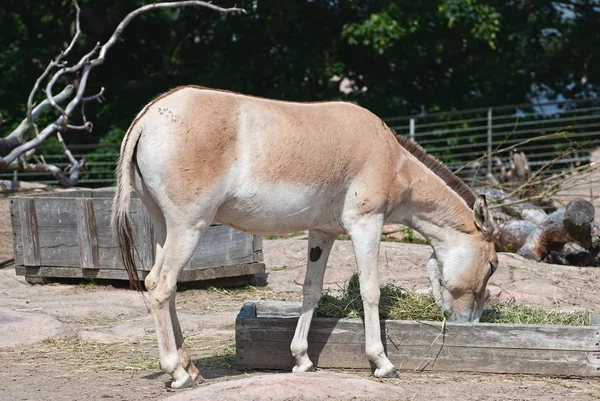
(428, 205)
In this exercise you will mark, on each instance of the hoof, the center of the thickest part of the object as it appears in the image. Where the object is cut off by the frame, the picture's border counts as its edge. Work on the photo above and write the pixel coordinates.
(185, 382)
(194, 376)
(307, 367)
(194, 373)
(386, 373)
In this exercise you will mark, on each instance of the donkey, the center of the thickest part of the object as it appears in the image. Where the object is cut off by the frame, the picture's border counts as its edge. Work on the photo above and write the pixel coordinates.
(194, 155)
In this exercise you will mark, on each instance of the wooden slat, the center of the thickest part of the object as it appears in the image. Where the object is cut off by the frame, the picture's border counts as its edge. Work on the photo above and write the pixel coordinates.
(268, 355)
(59, 246)
(263, 343)
(29, 232)
(16, 232)
(257, 247)
(102, 212)
(214, 273)
(65, 226)
(86, 230)
(221, 246)
(409, 333)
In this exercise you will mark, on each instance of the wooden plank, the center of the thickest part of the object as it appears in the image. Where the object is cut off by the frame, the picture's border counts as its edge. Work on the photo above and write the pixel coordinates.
(414, 333)
(221, 246)
(73, 272)
(248, 310)
(145, 237)
(120, 274)
(86, 230)
(55, 212)
(212, 273)
(102, 212)
(59, 246)
(108, 250)
(277, 355)
(257, 247)
(263, 343)
(16, 232)
(65, 238)
(29, 232)
(282, 309)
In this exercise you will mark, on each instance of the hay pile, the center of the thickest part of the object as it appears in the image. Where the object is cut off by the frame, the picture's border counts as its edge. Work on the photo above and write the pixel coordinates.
(399, 304)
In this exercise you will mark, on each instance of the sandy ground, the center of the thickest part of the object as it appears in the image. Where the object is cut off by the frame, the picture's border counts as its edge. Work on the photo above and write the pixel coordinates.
(94, 341)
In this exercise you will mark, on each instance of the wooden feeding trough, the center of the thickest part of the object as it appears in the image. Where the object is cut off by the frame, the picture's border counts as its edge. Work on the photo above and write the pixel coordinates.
(67, 235)
(264, 331)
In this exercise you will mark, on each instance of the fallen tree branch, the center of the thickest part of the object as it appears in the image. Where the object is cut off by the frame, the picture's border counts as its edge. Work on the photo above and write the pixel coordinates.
(14, 142)
(15, 138)
(572, 224)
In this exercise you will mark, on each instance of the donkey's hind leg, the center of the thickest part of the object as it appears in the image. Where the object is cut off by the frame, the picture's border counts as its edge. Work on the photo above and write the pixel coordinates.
(181, 241)
(160, 232)
(365, 233)
(319, 246)
(184, 352)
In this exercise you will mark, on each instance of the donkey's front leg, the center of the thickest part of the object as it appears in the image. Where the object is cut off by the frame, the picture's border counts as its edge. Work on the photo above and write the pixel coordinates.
(365, 234)
(319, 246)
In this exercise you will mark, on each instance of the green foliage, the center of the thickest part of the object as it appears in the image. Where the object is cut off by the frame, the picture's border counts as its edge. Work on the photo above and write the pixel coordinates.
(483, 18)
(379, 31)
(410, 56)
(102, 160)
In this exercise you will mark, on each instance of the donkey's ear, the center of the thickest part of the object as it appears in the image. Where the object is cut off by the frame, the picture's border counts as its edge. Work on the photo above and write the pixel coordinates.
(483, 220)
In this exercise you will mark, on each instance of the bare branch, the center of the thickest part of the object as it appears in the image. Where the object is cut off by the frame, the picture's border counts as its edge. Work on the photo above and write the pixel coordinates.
(77, 29)
(115, 36)
(84, 61)
(51, 65)
(84, 66)
(88, 126)
(15, 138)
(98, 96)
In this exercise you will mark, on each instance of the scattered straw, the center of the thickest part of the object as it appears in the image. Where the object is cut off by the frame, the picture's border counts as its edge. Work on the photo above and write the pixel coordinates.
(399, 304)
(223, 357)
(87, 356)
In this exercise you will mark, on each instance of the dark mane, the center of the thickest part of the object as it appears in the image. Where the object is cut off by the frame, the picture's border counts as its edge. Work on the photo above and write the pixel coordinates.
(439, 169)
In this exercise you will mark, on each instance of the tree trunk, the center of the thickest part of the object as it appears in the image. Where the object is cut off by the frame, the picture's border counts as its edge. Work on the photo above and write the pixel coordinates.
(575, 224)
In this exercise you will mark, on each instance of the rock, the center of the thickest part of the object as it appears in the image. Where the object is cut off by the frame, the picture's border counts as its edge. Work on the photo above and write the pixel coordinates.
(310, 386)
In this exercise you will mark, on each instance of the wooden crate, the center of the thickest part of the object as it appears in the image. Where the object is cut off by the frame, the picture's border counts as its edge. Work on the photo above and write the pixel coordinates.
(67, 235)
(264, 331)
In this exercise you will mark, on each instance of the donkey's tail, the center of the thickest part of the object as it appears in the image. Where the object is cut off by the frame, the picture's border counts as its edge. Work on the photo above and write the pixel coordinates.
(121, 222)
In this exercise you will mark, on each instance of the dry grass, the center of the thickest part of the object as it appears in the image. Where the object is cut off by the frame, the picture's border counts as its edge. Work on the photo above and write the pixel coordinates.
(86, 356)
(221, 356)
(255, 293)
(399, 304)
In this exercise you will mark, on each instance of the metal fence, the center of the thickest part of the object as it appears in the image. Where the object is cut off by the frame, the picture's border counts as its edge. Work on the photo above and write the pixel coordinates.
(101, 160)
(457, 138)
(556, 135)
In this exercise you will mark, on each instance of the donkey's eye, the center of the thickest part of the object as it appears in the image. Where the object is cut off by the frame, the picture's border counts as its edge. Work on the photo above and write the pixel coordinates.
(492, 268)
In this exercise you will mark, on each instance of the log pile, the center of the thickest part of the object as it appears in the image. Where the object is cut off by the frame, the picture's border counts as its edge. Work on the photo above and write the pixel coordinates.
(568, 236)
(539, 231)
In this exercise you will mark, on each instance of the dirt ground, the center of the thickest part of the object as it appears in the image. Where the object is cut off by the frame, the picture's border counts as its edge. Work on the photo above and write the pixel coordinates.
(95, 341)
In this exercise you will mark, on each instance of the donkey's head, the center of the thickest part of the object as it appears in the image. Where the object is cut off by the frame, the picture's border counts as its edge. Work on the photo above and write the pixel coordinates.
(460, 269)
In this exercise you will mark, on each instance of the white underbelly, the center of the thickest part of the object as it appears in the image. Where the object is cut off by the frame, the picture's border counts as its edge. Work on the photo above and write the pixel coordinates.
(282, 208)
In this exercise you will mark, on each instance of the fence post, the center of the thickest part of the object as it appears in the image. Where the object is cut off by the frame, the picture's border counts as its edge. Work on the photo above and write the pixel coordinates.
(15, 175)
(411, 131)
(489, 140)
